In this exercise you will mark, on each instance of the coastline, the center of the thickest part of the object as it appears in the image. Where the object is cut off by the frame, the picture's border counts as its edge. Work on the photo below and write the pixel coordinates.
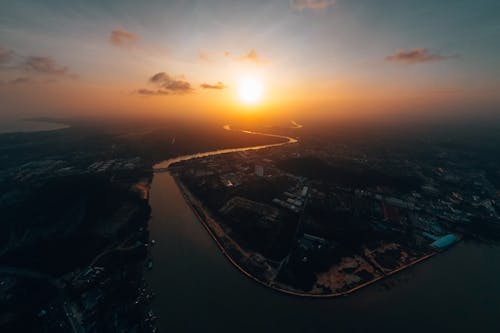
(196, 207)
(32, 126)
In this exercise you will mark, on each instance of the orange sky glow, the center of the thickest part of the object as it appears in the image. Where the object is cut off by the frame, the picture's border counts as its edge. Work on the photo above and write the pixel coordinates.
(319, 58)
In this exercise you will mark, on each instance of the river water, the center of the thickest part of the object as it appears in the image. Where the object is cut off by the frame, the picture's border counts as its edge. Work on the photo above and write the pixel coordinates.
(198, 290)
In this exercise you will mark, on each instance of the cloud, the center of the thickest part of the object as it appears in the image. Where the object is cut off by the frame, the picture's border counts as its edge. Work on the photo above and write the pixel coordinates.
(219, 85)
(21, 80)
(414, 56)
(149, 92)
(204, 56)
(311, 4)
(25, 80)
(17, 81)
(42, 65)
(5, 55)
(166, 85)
(46, 65)
(251, 56)
(123, 38)
(177, 86)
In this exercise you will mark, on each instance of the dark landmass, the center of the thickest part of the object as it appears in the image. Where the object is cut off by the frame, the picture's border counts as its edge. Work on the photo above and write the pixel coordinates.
(349, 173)
(335, 213)
(74, 214)
(323, 217)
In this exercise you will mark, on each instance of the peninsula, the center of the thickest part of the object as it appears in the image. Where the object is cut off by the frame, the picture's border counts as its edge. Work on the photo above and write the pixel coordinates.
(304, 221)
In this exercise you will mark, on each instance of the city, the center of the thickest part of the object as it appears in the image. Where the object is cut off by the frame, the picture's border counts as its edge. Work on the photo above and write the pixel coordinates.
(293, 166)
(281, 218)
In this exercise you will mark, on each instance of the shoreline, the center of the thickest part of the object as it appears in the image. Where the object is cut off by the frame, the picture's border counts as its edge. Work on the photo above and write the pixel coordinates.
(195, 206)
(21, 126)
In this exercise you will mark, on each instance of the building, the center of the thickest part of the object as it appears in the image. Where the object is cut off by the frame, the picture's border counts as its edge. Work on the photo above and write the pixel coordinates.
(259, 170)
(445, 241)
(305, 189)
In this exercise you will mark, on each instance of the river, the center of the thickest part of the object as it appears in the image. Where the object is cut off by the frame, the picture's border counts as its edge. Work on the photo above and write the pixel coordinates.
(198, 290)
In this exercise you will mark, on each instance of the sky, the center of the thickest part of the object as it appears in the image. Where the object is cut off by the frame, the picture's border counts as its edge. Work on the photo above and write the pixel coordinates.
(318, 58)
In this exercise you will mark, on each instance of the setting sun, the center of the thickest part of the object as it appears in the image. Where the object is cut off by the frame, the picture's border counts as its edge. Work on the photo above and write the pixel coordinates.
(250, 91)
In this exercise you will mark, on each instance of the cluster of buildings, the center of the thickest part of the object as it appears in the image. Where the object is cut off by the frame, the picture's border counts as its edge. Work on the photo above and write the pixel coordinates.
(444, 203)
(430, 214)
(115, 165)
(98, 294)
(293, 201)
(41, 170)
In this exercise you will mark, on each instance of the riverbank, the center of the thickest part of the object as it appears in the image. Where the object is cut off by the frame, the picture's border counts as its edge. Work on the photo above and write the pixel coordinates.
(213, 229)
(195, 285)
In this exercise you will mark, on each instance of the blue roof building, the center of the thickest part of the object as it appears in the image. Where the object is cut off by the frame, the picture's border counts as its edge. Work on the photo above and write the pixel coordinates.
(445, 241)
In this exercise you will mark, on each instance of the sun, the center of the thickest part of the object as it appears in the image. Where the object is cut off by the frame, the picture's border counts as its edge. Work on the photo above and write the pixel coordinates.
(250, 90)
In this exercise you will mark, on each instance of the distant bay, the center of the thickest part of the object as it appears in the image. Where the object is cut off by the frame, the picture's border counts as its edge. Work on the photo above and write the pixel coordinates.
(29, 125)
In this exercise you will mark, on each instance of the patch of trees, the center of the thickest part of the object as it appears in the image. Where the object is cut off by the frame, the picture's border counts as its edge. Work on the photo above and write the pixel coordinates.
(349, 174)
